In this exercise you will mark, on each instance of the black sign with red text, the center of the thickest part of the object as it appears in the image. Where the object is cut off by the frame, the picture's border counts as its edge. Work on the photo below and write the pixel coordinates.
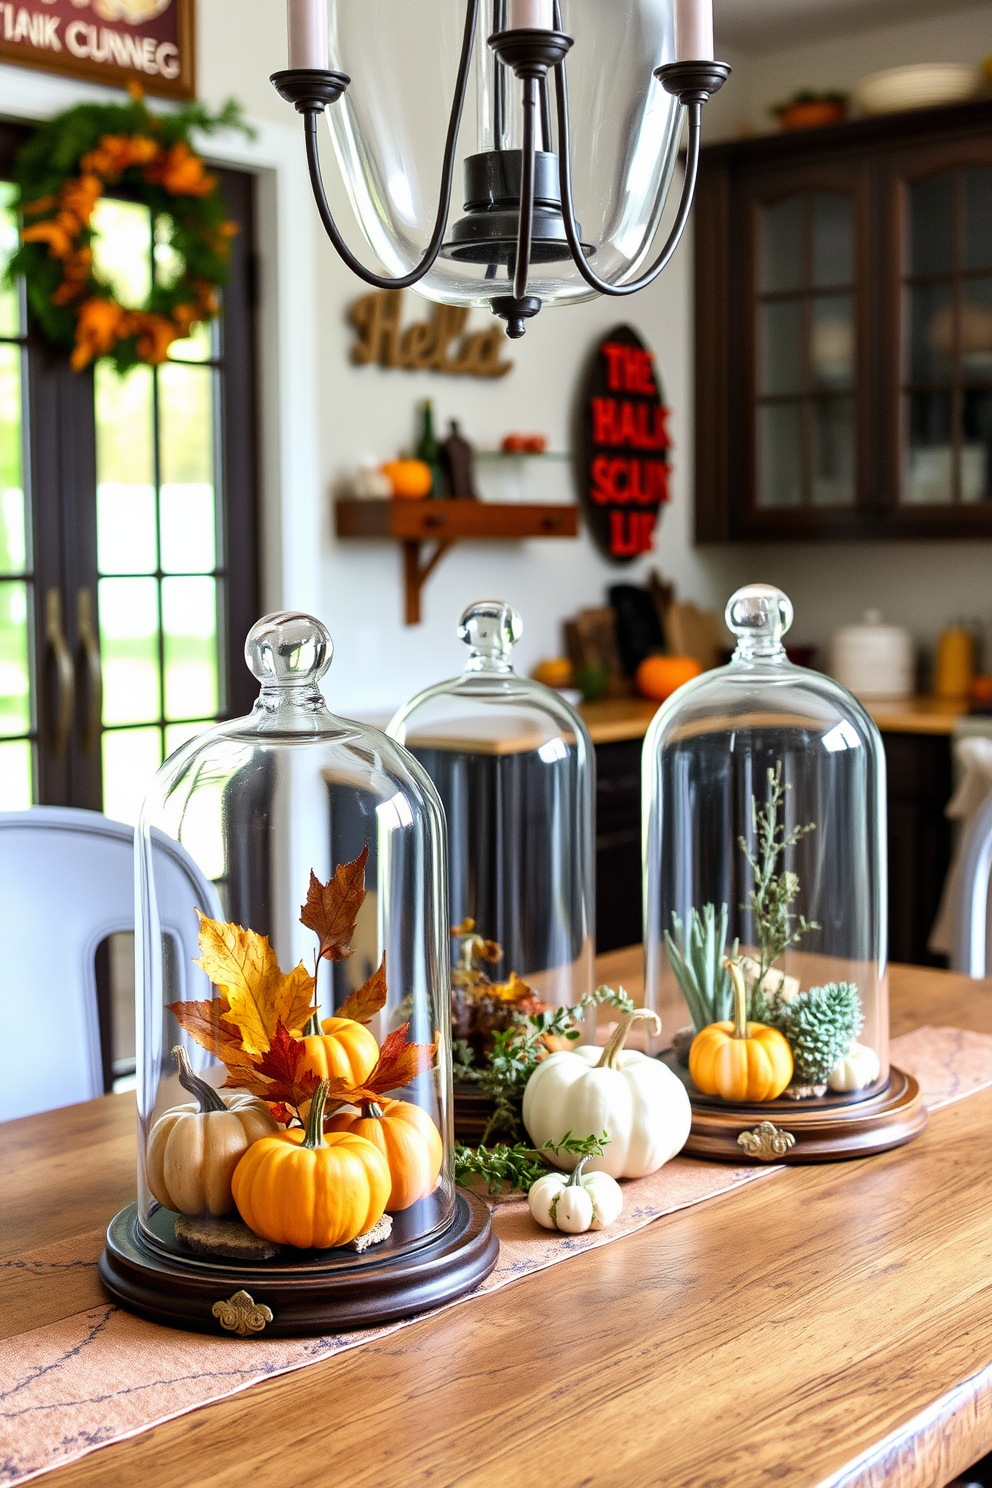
(626, 445)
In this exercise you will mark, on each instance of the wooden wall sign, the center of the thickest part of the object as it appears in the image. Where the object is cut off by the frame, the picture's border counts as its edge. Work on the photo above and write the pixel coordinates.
(435, 345)
(117, 42)
(625, 446)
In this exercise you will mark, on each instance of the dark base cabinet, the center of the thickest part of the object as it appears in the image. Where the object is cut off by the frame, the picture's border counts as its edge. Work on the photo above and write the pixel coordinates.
(919, 787)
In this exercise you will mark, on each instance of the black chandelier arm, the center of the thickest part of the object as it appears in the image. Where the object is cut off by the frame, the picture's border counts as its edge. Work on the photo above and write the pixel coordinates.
(693, 109)
(525, 232)
(405, 281)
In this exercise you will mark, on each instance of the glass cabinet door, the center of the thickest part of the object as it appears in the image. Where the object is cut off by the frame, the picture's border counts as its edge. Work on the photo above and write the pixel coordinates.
(807, 351)
(947, 339)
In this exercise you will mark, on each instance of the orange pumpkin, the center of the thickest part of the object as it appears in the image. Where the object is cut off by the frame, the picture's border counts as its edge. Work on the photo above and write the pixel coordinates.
(304, 1189)
(411, 480)
(407, 1138)
(657, 677)
(344, 1048)
(740, 1061)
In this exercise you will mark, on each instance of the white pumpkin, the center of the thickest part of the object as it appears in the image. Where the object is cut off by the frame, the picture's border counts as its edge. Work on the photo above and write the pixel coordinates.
(859, 1068)
(585, 1201)
(639, 1103)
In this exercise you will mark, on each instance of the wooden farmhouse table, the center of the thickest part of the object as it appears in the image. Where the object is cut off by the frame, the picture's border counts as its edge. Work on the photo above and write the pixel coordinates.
(830, 1326)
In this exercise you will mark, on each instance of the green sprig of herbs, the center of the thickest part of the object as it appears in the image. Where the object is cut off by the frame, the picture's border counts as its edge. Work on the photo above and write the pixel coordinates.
(519, 1165)
(776, 928)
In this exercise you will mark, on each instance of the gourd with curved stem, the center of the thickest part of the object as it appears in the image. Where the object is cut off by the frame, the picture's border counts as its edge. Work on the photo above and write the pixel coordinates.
(738, 1060)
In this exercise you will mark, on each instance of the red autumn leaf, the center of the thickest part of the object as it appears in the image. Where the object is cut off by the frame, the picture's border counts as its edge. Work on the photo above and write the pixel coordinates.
(399, 1061)
(282, 1113)
(363, 1005)
(279, 1075)
(206, 1022)
(332, 908)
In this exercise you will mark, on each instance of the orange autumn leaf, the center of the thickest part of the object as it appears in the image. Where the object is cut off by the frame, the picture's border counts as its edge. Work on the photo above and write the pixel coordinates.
(80, 196)
(206, 1022)
(181, 172)
(399, 1062)
(115, 153)
(368, 1000)
(98, 330)
(280, 1075)
(332, 908)
(60, 242)
(260, 995)
(155, 334)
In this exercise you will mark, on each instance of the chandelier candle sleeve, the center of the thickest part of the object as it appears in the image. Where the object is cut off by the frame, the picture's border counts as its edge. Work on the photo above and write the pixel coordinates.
(694, 30)
(308, 42)
(531, 15)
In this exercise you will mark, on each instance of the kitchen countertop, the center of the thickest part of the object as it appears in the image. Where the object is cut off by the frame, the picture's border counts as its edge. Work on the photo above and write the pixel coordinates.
(831, 1325)
(615, 719)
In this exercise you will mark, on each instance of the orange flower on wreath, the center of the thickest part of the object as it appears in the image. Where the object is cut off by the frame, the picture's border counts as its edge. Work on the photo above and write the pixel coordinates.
(100, 326)
(116, 153)
(61, 239)
(156, 334)
(181, 172)
(80, 195)
(76, 272)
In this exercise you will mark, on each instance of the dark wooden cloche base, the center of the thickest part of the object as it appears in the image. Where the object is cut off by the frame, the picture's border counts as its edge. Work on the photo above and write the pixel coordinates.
(301, 1297)
(823, 1130)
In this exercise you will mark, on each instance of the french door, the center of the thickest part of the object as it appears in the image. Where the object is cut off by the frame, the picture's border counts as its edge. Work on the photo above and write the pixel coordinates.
(128, 521)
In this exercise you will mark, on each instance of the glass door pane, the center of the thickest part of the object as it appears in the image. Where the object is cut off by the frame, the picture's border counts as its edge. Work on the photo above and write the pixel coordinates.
(158, 517)
(18, 710)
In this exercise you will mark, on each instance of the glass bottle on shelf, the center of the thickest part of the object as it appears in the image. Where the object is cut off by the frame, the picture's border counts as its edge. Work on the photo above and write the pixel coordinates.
(308, 852)
(765, 884)
(514, 767)
(428, 448)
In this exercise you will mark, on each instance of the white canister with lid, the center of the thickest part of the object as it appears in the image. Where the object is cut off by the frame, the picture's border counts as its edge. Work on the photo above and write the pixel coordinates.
(873, 660)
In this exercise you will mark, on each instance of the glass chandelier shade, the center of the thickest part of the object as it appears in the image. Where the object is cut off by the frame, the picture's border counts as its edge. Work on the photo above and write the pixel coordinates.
(524, 158)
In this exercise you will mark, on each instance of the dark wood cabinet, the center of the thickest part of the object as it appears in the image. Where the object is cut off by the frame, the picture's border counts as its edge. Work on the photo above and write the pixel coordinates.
(919, 787)
(844, 331)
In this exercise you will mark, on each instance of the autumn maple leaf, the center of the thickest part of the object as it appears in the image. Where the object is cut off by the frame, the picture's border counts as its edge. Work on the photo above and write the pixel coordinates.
(207, 1023)
(280, 1074)
(259, 994)
(332, 908)
(398, 1063)
(368, 1000)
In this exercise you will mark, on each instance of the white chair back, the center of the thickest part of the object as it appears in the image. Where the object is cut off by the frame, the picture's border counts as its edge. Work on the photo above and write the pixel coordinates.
(976, 869)
(66, 883)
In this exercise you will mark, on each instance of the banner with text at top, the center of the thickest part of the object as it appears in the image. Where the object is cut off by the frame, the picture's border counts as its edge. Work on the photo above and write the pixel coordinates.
(149, 42)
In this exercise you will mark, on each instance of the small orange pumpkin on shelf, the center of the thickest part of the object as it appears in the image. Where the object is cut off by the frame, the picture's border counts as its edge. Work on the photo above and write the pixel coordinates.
(411, 480)
(740, 1061)
(304, 1189)
(343, 1048)
(407, 1138)
(657, 677)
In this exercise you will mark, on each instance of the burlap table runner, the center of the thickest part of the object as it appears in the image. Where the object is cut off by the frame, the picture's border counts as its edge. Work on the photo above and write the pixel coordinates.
(98, 1374)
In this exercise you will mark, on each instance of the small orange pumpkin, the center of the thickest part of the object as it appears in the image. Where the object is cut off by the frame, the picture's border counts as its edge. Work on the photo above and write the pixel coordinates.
(343, 1048)
(740, 1061)
(657, 677)
(304, 1189)
(409, 1141)
(411, 480)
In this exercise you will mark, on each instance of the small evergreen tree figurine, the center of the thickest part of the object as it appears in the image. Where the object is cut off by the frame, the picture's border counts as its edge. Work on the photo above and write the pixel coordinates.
(776, 928)
(820, 1025)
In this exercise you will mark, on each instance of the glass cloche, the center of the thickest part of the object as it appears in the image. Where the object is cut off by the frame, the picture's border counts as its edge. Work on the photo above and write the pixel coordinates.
(765, 883)
(293, 996)
(514, 766)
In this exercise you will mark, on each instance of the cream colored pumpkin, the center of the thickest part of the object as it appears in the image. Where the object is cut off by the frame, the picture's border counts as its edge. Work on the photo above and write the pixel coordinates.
(859, 1068)
(194, 1149)
(637, 1101)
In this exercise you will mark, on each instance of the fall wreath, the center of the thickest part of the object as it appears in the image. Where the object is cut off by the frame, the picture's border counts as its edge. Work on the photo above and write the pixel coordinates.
(61, 174)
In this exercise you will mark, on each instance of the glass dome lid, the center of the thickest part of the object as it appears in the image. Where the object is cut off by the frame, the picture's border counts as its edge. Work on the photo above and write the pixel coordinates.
(765, 880)
(513, 765)
(293, 986)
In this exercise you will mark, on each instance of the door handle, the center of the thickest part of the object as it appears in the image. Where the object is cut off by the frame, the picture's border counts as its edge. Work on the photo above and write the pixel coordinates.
(64, 695)
(89, 655)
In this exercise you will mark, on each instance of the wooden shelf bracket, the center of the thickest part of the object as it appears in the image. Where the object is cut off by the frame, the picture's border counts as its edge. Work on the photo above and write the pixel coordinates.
(416, 573)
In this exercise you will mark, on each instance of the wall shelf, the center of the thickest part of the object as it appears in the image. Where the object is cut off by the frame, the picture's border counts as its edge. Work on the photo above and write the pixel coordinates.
(443, 523)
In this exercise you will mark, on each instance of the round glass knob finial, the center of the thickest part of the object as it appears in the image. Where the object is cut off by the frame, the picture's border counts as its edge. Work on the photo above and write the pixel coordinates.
(288, 649)
(492, 628)
(759, 616)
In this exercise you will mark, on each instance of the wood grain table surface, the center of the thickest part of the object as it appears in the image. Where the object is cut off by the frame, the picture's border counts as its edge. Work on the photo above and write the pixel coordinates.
(830, 1326)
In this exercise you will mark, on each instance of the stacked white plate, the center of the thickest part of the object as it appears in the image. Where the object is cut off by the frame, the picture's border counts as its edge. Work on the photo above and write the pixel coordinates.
(924, 85)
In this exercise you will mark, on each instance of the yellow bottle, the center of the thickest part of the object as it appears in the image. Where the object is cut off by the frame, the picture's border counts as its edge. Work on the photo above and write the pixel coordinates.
(955, 670)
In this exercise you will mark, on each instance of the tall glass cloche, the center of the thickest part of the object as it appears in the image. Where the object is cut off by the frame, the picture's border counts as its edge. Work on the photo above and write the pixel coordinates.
(513, 764)
(293, 999)
(765, 899)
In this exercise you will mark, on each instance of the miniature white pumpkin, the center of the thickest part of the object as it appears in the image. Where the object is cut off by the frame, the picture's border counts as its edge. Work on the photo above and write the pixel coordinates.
(639, 1103)
(585, 1201)
(859, 1068)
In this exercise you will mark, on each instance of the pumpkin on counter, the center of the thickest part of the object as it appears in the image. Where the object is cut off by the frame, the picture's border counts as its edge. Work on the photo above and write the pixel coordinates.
(343, 1048)
(194, 1149)
(658, 677)
(407, 1138)
(738, 1060)
(304, 1189)
(411, 480)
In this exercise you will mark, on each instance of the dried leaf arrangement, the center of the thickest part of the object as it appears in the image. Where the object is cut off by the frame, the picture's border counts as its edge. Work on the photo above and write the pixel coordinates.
(481, 1007)
(264, 1026)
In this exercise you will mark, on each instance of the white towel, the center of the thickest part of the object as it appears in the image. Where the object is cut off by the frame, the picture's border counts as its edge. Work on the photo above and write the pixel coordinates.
(974, 755)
